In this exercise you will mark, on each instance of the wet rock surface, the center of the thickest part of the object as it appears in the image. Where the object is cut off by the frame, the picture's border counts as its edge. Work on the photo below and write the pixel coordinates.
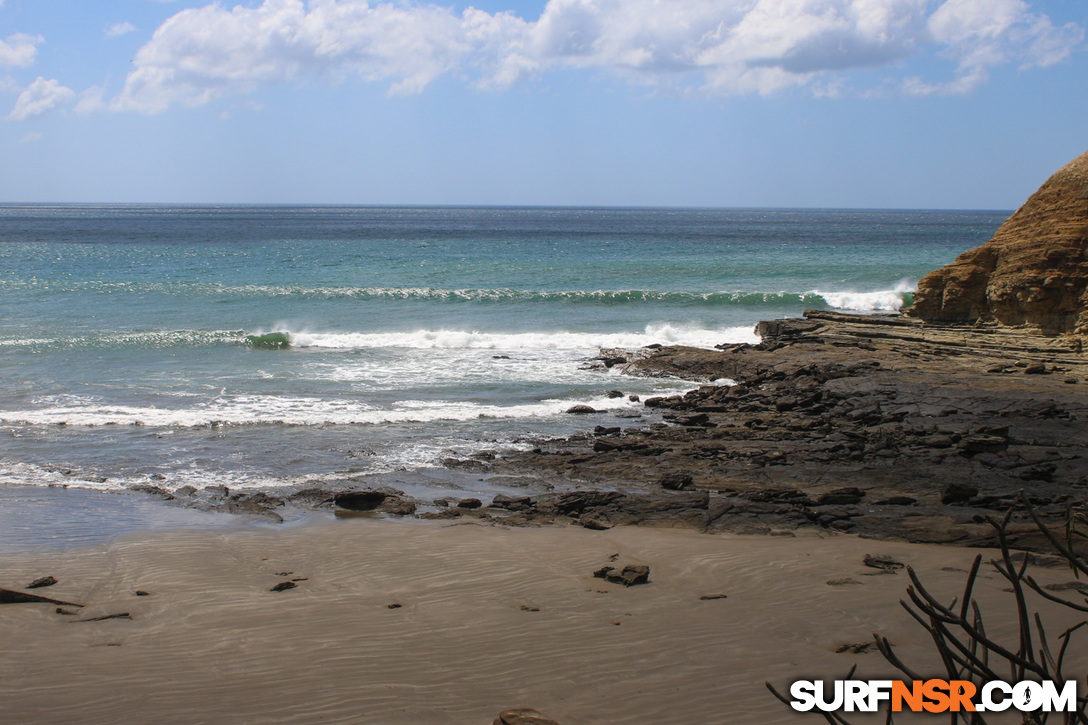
(882, 426)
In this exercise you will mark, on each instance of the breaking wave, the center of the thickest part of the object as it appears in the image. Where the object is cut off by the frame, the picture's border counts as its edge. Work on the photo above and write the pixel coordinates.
(879, 300)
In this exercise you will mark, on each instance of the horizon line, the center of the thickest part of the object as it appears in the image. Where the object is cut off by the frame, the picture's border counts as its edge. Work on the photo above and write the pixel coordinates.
(587, 207)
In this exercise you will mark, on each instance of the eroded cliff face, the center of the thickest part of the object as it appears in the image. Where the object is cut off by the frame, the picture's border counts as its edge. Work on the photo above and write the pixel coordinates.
(1033, 272)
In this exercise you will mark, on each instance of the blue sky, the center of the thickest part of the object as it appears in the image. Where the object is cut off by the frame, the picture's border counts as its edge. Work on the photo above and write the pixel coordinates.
(779, 103)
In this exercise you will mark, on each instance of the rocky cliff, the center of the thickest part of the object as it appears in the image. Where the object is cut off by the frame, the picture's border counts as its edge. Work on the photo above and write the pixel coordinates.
(1033, 272)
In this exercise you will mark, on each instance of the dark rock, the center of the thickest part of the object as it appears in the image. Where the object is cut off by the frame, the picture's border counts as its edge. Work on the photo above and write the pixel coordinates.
(897, 501)
(779, 495)
(581, 410)
(984, 444)
(397, 506)
(595, 523)
(694, 420)
(1039, 472)
(45, 581)
(857, 649)
(152, 490)
(958, 493)
(711, 597)
(1081, 587)
(216, 491)
(575, 502)
(360, 500)
(252, 508)
(142, 593)
(1036, 369)
(185, 492)
(615, 393)
(841, 497)
(260, 498)
(469, 503)
(1001, 431)
(9, 596)
(522, 716)
(283, 586)
(879, 405)
(104, 617)
(394, 605)
(628, 576)
(512, 503)
(880, 561)
(676, 481)
(313, 497)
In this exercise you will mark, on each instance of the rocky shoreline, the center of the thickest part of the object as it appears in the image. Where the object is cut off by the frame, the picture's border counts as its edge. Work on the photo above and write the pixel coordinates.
(882, 426)
(879, 425)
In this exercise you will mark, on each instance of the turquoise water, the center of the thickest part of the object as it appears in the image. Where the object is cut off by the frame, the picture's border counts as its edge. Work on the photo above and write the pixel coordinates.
(416, 334)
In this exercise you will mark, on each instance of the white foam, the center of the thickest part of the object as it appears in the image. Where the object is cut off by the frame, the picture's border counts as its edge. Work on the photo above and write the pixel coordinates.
(295, 411)
(879, 301)
(520, 341)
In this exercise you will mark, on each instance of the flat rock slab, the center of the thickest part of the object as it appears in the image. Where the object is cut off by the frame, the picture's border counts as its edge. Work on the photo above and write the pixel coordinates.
(880, 425)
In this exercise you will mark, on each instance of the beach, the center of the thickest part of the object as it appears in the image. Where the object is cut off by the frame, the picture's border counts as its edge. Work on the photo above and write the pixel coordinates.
(425, 502)
(489, 618)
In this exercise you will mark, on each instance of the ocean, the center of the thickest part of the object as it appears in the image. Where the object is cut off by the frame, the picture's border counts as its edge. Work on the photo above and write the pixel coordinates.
(416, 334)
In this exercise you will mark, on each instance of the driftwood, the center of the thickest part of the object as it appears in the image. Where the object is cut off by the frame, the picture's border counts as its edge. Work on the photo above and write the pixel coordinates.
(959, 633)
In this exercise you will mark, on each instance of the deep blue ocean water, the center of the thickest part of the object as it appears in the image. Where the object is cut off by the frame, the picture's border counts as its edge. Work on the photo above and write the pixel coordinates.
(417, 334)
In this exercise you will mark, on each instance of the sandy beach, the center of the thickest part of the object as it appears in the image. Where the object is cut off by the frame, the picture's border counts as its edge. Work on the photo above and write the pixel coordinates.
(489, 618)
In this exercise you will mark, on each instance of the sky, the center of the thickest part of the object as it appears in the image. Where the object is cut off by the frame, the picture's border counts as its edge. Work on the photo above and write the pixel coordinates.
(962, 104)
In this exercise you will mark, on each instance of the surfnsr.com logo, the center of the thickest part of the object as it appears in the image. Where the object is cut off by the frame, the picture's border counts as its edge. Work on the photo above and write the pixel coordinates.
(933, 696)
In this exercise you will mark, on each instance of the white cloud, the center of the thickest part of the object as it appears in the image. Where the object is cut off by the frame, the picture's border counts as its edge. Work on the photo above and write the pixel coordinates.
(40, 96)
(983, 34)
(699, 46)
(19, 49)
(91, 101)
(118, 29)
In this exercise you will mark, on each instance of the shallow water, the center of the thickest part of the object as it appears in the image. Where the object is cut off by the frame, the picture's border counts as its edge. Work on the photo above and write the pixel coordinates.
(39, 518)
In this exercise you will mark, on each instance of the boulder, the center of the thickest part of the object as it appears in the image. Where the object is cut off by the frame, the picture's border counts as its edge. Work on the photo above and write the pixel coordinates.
(522, 716)
(575, 502)
(628, 576)
(958, 493)
(676, 481)
(1034, 271)
(45, 581)
(841, 497)
(882, 561)
(511, 503)
(581, 410)
(360, 500)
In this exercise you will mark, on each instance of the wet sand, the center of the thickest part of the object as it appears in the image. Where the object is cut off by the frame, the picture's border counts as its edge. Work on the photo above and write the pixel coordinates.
(490, 618)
